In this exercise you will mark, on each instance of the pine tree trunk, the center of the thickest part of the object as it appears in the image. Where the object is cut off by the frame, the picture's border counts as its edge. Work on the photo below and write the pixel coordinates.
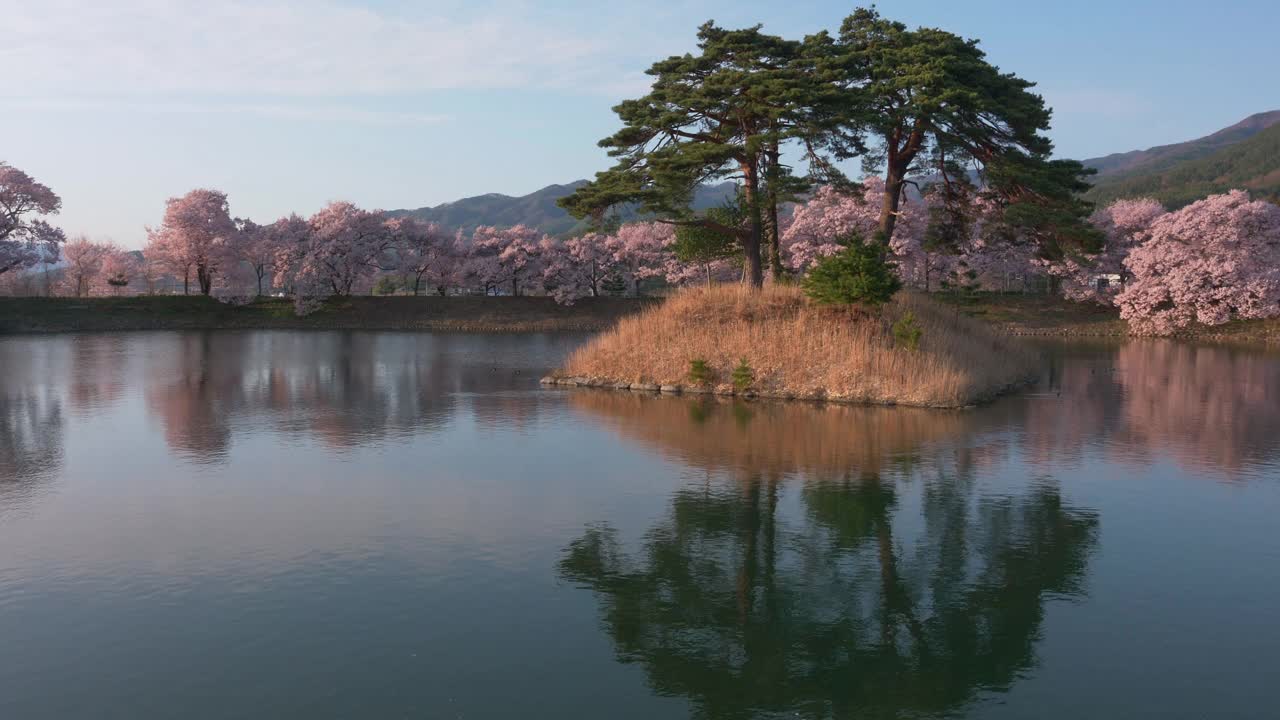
(751, 244)
(889, 204)
(775, 241)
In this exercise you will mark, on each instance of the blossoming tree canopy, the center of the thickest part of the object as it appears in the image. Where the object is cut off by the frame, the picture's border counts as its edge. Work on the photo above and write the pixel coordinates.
(26, 240)
(345, 244)
(1125, 225)
(427, 253)
(1213, 261)
(197, 235)
(505, 256)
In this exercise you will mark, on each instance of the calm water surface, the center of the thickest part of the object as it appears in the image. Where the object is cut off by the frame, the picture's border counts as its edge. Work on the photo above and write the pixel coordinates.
(394, 525)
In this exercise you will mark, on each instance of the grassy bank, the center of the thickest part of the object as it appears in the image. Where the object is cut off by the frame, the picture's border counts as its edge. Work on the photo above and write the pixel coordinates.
(1018, 314)
(462, 314)
(794, 348)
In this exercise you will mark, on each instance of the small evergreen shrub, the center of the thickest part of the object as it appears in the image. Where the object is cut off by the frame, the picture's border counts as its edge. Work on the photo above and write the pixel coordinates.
(858, 273)
(699, 372)
(743, 376)
(907, 331)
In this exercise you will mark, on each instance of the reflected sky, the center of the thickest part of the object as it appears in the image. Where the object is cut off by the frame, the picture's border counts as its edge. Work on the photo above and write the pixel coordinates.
(401, 524)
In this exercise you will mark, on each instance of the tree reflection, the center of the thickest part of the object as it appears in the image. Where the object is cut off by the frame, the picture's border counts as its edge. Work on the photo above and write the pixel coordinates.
(857, 572)
(828, 615)
(196, 403)
(343, 389)
(1210, 407)
(98, 371)
(31, 430)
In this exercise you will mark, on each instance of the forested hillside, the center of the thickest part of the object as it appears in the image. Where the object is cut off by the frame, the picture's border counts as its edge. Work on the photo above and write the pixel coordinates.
(1252, 164)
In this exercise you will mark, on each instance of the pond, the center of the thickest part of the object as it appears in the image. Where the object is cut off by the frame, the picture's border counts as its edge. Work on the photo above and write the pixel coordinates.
(338, 525)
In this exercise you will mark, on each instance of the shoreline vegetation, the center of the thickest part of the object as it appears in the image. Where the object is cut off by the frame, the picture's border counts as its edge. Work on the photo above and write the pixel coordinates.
(428, 314)
(1018, 314)
(773, 342)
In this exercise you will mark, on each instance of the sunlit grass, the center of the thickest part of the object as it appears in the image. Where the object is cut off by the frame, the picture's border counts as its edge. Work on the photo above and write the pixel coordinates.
(796, 348)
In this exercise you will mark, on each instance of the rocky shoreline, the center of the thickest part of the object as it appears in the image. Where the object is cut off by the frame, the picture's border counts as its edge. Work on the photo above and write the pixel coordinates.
(725, 390)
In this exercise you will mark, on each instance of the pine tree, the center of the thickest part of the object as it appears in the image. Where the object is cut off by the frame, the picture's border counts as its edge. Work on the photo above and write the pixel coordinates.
(857, 274)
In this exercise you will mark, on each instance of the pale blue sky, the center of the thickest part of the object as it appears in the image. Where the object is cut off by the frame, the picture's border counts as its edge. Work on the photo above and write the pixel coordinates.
(287, 104)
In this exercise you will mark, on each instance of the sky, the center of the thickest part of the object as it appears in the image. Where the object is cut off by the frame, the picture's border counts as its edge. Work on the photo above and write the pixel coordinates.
(289, 104)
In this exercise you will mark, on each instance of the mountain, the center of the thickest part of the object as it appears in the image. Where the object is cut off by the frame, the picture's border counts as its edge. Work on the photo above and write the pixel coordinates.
(537, 209)
(1165, 156)
(1178, 178)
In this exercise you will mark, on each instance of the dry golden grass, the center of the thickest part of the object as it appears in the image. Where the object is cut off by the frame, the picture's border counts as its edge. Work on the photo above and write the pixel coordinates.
(798, 349)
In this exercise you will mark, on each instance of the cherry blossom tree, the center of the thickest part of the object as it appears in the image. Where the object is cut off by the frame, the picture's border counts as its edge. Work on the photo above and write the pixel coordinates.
(167, 256)
(818, 226)
(26, 240)
(195, 236)
(83, 264)
(345, 245)
(641, 250)
(577, 267)
(254, 246)
(501, 256)
(289, 239)
(1125, 224)
(120, 268)
(1213, 261)
(426, 253)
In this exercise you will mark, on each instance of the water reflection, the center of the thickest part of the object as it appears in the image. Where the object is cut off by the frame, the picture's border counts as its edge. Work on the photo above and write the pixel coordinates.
(31, 422)
(1208, 407)
(898, 588)
(342, 389)
(98, 366)
(31, 429)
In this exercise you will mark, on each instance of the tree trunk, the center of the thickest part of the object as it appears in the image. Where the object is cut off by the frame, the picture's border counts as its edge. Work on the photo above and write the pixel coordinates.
(889, 204)
(775, 241)
(186, 281)
(205, 277)
(751, 244)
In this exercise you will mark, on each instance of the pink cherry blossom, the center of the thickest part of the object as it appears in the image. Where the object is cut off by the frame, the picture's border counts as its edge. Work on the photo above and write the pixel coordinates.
(577, 267)
(426, 253)
(1213, 261)
(641, 250)
(504, 257)
(195, 237)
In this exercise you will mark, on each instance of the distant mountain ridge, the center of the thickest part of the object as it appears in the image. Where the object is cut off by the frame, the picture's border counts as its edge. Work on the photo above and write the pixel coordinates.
(538, 209)
(1245, 155)
(1163, 156)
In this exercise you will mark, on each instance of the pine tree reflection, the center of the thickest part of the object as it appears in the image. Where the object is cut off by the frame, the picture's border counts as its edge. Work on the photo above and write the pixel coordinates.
(853, 607)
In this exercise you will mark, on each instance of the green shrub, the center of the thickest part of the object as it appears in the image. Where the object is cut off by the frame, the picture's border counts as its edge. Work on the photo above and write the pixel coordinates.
(907, 331)
(858, 273)
(743, 376)
(699, 372)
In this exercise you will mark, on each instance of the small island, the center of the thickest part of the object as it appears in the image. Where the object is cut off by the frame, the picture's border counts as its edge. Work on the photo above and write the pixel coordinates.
(777, 343)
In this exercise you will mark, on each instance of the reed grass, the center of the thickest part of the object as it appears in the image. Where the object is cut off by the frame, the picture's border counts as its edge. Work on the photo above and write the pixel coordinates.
(799, 349)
